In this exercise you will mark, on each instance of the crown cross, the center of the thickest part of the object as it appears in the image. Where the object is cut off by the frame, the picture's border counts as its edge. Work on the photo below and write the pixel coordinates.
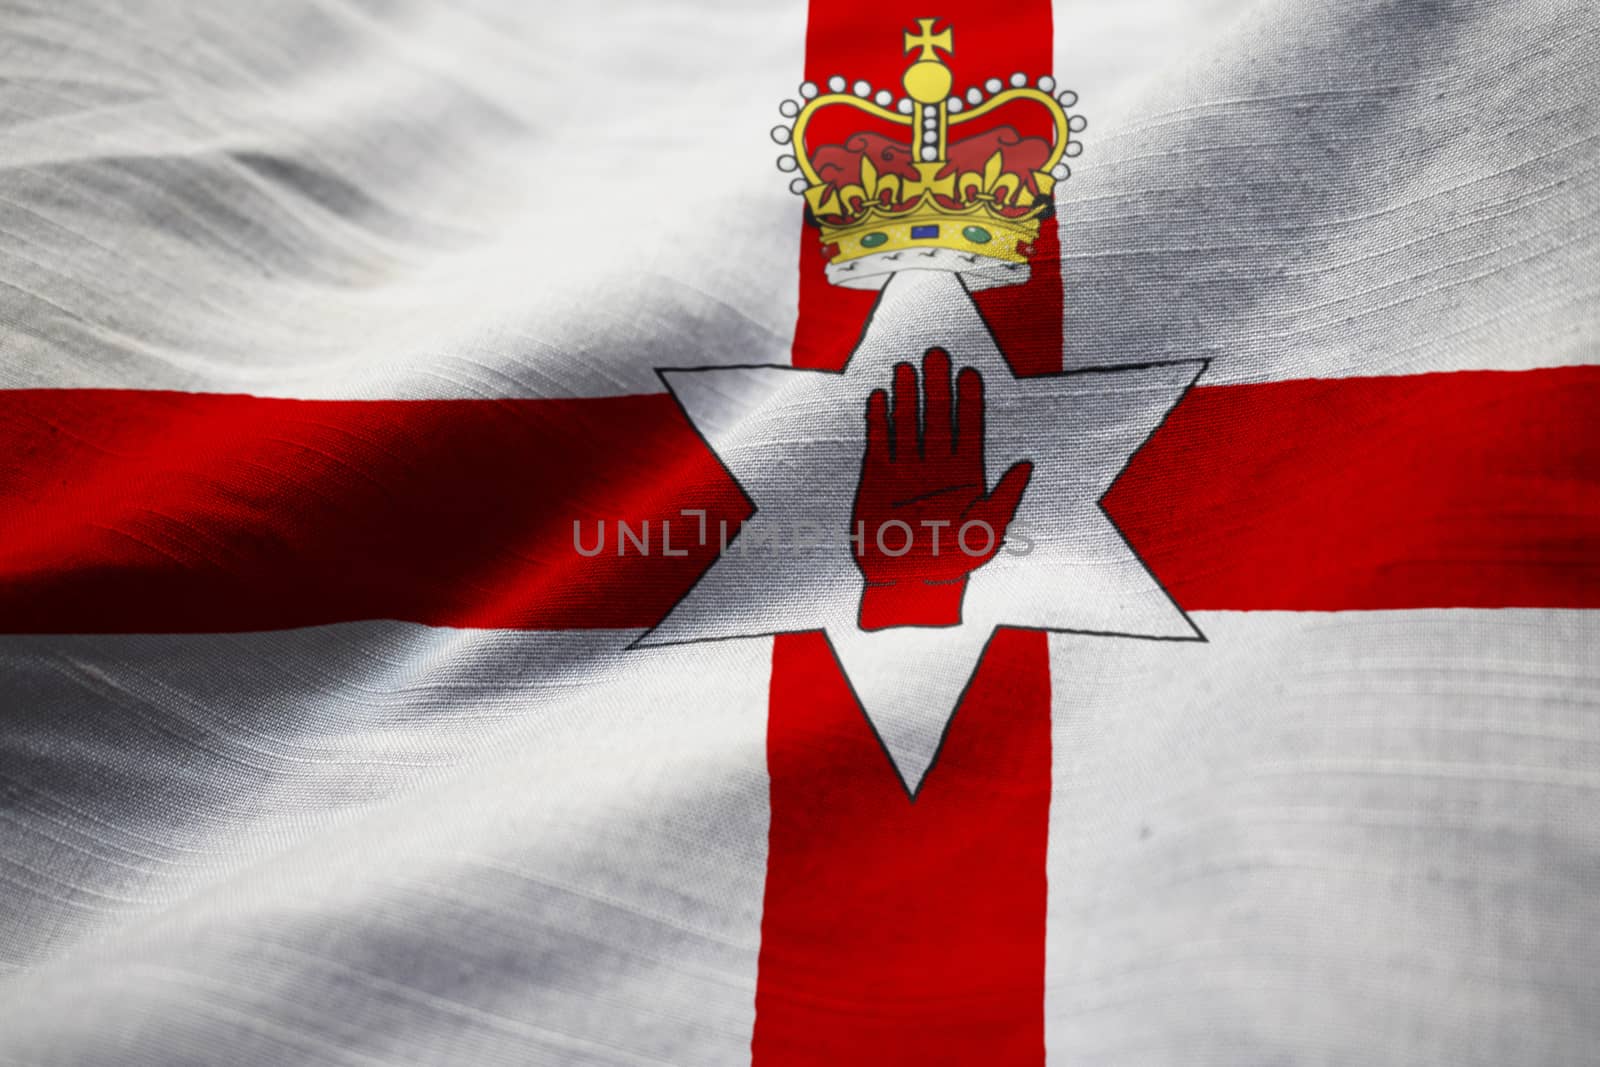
(927, 40)
(928, 79)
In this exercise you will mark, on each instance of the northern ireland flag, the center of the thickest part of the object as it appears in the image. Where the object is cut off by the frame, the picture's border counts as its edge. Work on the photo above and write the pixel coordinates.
(805, 533)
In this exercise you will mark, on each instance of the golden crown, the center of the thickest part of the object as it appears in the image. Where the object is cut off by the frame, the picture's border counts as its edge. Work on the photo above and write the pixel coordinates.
(922, 195)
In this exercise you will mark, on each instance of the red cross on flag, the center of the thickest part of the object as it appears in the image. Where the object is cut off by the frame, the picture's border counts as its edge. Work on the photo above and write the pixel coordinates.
(674, 534)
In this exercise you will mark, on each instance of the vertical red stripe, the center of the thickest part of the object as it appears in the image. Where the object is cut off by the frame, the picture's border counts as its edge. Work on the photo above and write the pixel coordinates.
(897, 932)
(893, 931)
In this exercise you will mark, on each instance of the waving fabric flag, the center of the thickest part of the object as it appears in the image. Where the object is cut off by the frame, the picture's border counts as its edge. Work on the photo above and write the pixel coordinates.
(799, 534)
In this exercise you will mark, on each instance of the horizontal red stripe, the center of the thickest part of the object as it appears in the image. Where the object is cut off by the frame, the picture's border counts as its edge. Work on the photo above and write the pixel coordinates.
(1468, 490)
(161, 512)
(165, 512)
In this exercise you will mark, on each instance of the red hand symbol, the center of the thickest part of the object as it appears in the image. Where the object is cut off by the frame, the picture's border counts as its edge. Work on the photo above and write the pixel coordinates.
(922, 521)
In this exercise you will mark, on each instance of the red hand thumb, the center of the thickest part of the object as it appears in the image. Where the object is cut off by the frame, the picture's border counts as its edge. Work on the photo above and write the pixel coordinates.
(1000, 506)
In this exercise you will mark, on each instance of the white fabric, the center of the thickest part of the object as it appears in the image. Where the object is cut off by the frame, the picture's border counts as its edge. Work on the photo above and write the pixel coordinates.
(1301, 189)
(336, 198)
(1356, 837)
(1363, 837)
(380, 843)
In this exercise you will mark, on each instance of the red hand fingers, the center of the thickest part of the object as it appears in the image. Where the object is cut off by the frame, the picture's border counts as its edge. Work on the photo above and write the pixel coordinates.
(969, 423)
(906, 438)
(938, 430)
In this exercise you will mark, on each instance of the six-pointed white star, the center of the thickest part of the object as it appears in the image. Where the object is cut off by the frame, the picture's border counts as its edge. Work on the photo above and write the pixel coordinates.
(793, 439)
